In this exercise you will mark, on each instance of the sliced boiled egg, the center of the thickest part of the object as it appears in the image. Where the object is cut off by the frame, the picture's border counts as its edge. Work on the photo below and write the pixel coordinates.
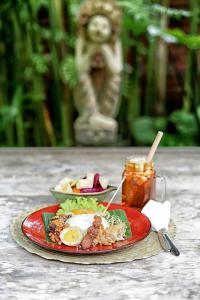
(71, 236)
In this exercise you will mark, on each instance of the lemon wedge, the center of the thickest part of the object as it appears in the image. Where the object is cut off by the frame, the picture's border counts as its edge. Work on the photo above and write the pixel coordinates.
(71, 236)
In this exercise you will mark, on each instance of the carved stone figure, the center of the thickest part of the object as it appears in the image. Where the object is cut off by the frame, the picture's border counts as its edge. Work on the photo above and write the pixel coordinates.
(99, 65)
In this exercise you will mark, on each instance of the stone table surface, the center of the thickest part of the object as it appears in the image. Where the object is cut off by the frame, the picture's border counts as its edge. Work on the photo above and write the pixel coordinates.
(26, 175)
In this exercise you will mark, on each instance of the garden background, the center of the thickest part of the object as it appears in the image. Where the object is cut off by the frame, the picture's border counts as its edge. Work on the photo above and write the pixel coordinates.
(160, 87)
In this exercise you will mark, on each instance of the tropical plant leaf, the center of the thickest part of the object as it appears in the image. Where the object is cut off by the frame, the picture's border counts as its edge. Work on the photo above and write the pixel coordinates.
(137, 15)
(40, 63)
(68, 71)
(145, 129)
(160, 123)
(171, 12)
(185, 123)
(176, 140)
(190, 41)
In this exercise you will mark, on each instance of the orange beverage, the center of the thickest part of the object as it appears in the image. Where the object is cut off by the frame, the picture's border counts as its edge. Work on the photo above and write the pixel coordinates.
(139, 185)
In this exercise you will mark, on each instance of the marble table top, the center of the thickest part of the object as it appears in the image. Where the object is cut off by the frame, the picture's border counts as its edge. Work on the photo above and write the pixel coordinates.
(26, 175)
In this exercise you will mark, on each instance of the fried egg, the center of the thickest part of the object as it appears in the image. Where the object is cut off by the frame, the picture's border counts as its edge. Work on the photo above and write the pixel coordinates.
(84, 221)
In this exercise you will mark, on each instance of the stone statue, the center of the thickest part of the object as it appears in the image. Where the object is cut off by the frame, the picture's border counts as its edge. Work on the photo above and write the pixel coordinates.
(99, 65)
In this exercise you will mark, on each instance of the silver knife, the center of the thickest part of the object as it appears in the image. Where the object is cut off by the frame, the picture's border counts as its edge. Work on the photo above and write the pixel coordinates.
(167, 243)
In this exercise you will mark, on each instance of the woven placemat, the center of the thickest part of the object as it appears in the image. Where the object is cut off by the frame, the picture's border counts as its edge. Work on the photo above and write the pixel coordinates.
(146, 248)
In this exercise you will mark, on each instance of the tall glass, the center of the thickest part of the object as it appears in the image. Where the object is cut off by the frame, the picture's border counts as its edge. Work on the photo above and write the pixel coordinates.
(139, 185)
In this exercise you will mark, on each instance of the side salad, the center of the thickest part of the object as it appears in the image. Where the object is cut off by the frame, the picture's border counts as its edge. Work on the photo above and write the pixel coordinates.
(91, 183)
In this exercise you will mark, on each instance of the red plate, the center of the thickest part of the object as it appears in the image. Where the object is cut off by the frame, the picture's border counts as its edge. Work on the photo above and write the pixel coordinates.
(33, 228)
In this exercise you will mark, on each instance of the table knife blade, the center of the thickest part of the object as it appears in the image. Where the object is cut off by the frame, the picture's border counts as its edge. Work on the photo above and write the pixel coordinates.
(166, 242)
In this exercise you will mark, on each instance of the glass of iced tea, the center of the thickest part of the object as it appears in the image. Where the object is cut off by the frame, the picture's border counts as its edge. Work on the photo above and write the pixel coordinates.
(140, 183)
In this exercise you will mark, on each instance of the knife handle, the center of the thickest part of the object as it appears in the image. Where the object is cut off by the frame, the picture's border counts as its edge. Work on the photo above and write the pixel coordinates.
(167, 243)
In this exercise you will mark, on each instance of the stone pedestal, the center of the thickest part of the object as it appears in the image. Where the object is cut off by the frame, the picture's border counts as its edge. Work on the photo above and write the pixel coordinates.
(98, 137)
(95, 130)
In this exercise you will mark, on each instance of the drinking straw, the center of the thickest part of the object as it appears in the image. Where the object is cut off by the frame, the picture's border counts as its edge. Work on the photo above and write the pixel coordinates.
(114, 195)
(154, 147)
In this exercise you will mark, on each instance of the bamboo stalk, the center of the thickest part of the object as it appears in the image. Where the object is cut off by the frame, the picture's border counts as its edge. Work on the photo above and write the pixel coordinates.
(49, 126)
(193, 75)
(18, 96)
(134, 104)
(190, 78)
(8, 135)
(38, 81)
(195, 7)
(150, 82)
(162, 66)
(6, 66)
(56, 23)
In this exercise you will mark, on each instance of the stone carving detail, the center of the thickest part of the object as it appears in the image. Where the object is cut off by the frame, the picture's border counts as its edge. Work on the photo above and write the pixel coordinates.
(99, 65)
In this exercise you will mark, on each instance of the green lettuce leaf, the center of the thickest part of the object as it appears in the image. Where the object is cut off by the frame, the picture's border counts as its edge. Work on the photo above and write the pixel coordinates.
(80, 203)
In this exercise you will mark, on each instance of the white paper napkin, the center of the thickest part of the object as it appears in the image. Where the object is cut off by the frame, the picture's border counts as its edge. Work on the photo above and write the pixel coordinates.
(158, 213)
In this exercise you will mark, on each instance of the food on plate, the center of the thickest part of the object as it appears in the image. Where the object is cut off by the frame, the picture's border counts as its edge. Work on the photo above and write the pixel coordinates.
(56, 225)
(82, 223)
(71, 236)
(91, 183)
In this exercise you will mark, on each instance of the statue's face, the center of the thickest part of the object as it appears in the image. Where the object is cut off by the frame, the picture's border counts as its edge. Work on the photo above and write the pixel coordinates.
(99, 29)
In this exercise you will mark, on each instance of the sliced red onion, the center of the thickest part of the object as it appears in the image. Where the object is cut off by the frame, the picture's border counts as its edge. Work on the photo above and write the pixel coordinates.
(96, 182)
(92, 190)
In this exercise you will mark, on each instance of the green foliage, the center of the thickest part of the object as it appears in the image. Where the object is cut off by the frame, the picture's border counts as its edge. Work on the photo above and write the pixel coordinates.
(68, 71)
(171, 12)
(145, 128)
(9, 113)
(198, 112)
(186, 129)
(137, 15)
(185, 123)
(38, 73)
(39, 62)
(74, 6)
(190, 41)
